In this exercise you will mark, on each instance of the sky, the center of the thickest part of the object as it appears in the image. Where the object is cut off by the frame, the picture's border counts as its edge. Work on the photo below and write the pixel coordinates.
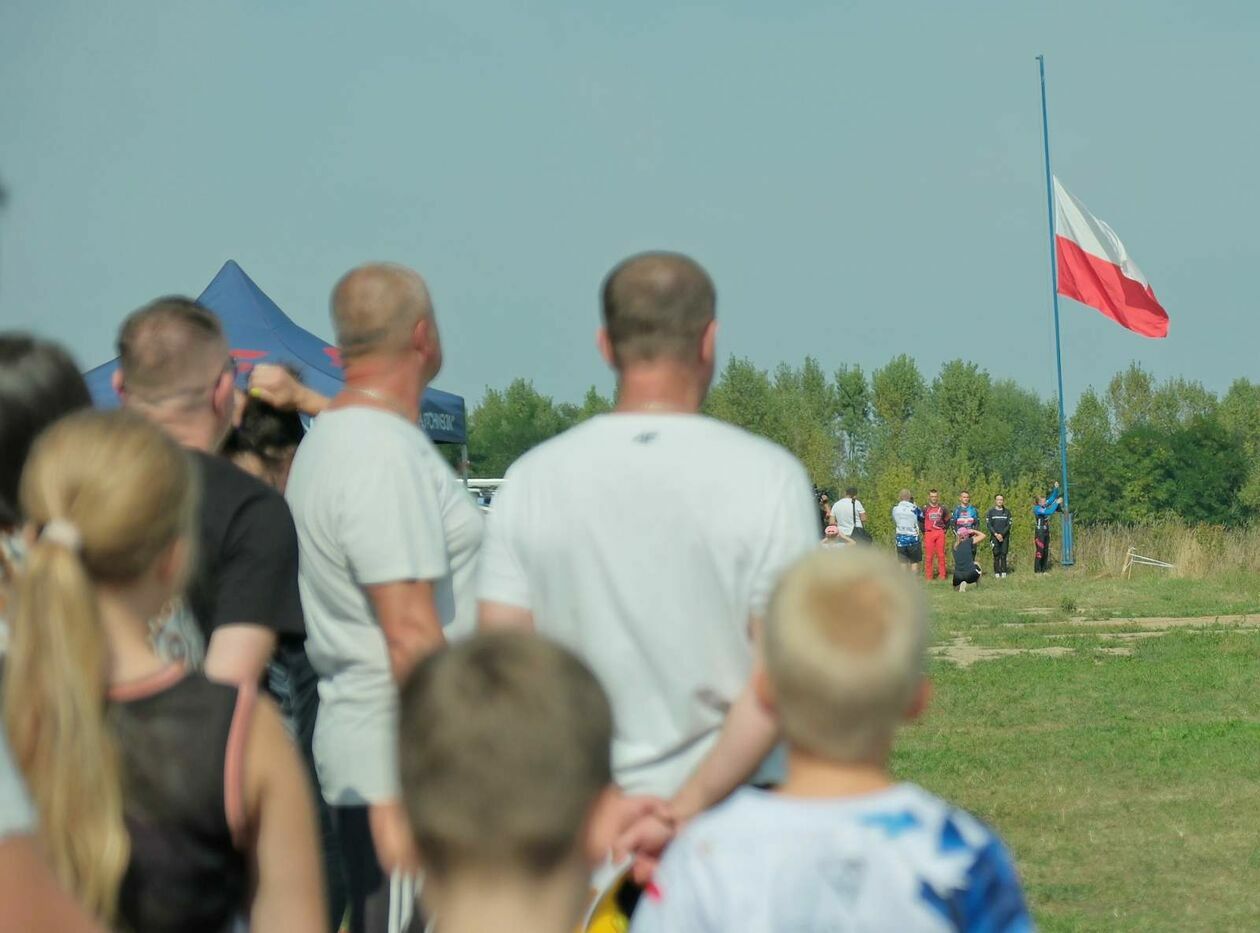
(861, 179)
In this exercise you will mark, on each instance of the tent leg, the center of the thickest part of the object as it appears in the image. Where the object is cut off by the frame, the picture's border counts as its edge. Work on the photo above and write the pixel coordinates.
(463, 463)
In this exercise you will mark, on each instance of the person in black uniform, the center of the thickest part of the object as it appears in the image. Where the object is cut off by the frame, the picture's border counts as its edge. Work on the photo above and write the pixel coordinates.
(167, 802)
(998, 521)
(966, 570)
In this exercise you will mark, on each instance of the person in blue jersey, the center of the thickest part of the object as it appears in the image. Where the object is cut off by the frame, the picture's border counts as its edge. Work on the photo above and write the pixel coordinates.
(1043, 508)
(965, 514)
(907, 526)
(840, 845)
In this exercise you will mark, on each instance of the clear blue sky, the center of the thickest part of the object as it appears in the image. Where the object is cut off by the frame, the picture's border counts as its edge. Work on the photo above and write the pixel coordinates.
(862, 179)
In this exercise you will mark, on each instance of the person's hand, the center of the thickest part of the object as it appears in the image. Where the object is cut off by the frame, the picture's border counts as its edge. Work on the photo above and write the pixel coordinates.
(1056, 484)
(997, 537)
(276, 386)
(646, 827)
(391, 836)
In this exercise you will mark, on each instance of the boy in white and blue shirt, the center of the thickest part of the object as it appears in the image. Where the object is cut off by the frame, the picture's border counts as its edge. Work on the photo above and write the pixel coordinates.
(839, 846)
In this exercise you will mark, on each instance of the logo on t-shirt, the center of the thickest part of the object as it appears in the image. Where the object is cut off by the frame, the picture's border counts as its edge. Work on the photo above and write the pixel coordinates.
(646, 437)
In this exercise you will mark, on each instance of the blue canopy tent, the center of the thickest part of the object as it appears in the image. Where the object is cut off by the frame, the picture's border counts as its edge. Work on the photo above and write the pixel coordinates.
(259, 332)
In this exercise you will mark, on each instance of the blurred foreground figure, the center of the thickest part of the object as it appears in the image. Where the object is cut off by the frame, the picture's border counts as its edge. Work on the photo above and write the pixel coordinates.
(166, 802)
(839, 846)
(506, 774)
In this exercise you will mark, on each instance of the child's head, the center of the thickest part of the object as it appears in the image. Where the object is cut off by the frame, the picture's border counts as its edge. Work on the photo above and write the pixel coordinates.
(844, 647)
(505, 757)
(110, 503)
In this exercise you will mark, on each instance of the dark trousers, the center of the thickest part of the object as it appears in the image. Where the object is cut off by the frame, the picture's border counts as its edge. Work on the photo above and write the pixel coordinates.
(293, 683)
(1000, 549)
(367, 885)
(968, 578)
(1041, 552)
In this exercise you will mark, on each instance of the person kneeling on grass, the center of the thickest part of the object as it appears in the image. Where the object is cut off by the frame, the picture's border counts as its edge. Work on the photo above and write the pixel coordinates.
(966, 569)
(505, 751)
(839, 846)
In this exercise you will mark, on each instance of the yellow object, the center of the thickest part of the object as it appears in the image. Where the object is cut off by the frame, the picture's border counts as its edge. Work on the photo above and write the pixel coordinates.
(606, 915)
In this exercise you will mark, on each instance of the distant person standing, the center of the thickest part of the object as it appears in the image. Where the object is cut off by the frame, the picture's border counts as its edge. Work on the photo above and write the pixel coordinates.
(849, 515)
(906, 517)
(966, 570)
(831, 539)
(998, 521)
(1043, 508)
(965, 514)
(936, 519)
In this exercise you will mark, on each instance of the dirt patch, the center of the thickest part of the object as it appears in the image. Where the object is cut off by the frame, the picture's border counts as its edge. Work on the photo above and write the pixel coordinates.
(1154, 623)
(1037, 611)
(963, 653)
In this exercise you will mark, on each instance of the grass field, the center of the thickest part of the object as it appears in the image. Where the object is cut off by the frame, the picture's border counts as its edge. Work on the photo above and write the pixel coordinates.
(1114, 745)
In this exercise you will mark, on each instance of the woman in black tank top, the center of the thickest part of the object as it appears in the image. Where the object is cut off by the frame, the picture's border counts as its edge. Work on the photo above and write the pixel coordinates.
(166, 802)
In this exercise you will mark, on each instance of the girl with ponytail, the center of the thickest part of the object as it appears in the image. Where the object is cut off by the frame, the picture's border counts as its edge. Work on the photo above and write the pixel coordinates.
(166, 802)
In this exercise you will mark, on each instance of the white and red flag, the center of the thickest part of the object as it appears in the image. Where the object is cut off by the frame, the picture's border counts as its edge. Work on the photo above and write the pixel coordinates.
(1095, 269)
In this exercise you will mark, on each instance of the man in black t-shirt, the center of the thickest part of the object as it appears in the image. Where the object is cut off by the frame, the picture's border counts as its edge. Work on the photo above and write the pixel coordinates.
(177, 371)
(998, 520)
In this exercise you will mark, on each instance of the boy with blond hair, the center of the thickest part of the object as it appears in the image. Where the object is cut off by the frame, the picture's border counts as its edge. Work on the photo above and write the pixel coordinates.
(505, 752)
(839, 846)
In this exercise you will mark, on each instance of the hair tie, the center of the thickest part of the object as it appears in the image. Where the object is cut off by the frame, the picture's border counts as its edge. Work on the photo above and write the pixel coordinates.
(62, 531)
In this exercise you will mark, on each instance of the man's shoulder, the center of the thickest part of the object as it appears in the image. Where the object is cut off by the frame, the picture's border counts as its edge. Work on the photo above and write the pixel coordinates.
(717, 440)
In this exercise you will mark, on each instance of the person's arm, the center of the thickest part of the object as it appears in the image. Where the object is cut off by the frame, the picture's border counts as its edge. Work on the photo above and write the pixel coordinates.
(30, 899)
(256, 590)
(276, 386)
(978, 536)
(748, 735)
(283, 845)
(238, 653)
(494, 617)
(504, 596)
(408, 617)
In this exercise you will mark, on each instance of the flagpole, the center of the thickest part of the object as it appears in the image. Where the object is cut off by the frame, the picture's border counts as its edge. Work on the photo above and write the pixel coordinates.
(1067, 559)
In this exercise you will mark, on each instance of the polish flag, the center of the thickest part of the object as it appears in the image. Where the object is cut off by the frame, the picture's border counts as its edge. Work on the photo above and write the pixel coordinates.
(1095, 269)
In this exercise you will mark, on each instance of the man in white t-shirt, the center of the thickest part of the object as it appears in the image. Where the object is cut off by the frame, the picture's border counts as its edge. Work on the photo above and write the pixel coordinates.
(385, 535)
(848, 513)
(605, 539)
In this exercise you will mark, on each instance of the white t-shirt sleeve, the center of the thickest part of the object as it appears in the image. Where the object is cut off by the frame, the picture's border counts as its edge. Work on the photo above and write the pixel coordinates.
(17, 817)
(791, 532)
(391, 527)
(501, 576)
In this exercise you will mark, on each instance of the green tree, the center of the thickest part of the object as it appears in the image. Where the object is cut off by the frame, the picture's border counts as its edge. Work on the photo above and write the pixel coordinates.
(506, 424)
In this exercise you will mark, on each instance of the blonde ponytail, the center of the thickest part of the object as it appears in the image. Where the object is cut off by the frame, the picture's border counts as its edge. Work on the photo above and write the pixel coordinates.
(54, 713)
(107, 494)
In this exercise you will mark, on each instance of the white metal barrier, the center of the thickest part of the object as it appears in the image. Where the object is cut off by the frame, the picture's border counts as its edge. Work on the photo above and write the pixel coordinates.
(1133, 557)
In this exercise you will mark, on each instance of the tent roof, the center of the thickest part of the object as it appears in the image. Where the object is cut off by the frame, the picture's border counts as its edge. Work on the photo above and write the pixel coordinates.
(259, 332)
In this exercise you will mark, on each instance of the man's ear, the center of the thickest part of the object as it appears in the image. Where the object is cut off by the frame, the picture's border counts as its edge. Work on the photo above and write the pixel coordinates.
(708, 343)
(224, 395)
(116, 381)
(919, 702)
(604, 345)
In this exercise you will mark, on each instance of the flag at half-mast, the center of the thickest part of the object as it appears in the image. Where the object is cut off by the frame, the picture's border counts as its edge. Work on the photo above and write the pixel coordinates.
(1095, 269)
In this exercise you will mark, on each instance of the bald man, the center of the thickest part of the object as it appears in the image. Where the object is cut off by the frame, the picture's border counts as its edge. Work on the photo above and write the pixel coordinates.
(176, 370)
(605, 538)
(388, 537)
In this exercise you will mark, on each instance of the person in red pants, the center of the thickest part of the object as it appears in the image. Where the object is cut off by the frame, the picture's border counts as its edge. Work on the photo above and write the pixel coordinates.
(936, 521)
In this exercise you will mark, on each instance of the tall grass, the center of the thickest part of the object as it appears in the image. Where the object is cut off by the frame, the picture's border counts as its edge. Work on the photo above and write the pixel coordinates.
(1193, 550)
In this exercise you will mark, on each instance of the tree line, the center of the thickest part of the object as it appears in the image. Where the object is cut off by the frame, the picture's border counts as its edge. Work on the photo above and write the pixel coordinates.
(1139, 451)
